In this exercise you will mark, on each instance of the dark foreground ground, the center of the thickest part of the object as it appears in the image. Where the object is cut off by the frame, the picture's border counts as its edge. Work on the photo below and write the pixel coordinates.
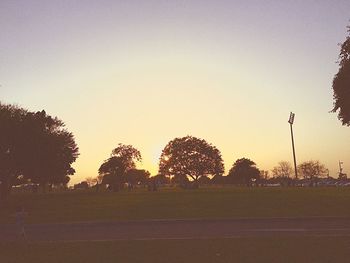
(181, 229)
(291, 249)
(175, 203)
(292, 225)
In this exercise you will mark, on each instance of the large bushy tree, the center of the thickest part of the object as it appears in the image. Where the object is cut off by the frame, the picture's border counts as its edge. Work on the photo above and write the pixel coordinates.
(11, 119)
(137, 176)
(114, 169)
(34, 147)
(341, 84)
(283, 172)
(312, 170)
(191, 157)
(243, 171)
(50, 149)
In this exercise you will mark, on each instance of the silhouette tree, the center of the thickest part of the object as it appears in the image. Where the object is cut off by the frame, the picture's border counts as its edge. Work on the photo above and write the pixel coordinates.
(114, 169)
(128, 154)
(341, 84)
(11, 130)
(283, 169)
(243, 171)
(49, 150)
(191, 157)
(283, 172)
(312, 170)
(35, 147)
(219, 179)
(136, 176)
(180, 179)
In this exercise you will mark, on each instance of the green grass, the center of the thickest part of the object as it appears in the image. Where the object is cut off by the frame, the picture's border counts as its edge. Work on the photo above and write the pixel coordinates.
(229, 202)
(244, 250)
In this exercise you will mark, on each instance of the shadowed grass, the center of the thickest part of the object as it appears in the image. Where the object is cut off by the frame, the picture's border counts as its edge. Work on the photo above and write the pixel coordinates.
(229, 202)
(244, 250)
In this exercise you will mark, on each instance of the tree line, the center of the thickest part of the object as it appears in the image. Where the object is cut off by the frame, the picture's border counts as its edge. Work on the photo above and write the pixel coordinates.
(188, 162)
(36, 148)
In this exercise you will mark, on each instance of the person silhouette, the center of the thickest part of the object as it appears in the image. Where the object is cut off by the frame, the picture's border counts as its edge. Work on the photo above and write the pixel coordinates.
(19, 217)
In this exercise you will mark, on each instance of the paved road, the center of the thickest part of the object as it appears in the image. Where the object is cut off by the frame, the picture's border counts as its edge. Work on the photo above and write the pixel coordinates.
(181, 229)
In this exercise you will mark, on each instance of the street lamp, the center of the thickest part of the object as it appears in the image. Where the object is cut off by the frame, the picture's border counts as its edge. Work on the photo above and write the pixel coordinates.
(291, 121)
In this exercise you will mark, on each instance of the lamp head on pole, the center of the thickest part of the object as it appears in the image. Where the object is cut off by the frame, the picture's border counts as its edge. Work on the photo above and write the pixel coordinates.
(291, 118)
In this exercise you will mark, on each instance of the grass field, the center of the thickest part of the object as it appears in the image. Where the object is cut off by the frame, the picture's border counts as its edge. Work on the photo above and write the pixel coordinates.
(244, 250)
(229, 202)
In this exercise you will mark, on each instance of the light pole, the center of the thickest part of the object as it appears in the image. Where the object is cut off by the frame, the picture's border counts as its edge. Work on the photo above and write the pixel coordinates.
(340, 168)
(341, 174)
(291, 121)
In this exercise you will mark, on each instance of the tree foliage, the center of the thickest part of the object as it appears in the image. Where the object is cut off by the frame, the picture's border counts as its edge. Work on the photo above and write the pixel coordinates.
(51, 149)
(34, 147)
(243, 171)
(282, 170)
(282, 173)
(341, 84)
(10, 148)
(312, 169)
(114, 169)
(137, 176)
(191, 157)
(128, 155)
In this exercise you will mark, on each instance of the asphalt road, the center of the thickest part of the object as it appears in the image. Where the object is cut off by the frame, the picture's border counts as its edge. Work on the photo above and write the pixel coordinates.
(180, 229)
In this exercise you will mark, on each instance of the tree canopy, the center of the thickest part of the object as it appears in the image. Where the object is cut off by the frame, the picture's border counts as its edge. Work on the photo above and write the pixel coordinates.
(282, 173)
(54, 149)
(137, 176)
(282, 170)
(243, 171)
(191, 157)
(128, 155)
(34, 147)
(115, 168)
(312, 170)
(341, 84)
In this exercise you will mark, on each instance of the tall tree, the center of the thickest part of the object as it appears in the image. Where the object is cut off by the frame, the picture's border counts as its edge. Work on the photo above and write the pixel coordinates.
(243, 171)
(191, 157)
(114, 169)
(137, 176)
(50, 150)
(128, 154)
(35, 147)
(11, 130)
(341, 83)
(312, 170)
(282, 170)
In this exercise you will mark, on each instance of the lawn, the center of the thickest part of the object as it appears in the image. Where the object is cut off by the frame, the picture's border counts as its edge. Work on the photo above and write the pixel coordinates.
(244, 250)
(228, 202)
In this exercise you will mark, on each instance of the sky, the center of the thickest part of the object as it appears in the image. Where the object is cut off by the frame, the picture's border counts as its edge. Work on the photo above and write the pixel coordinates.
(145, 72)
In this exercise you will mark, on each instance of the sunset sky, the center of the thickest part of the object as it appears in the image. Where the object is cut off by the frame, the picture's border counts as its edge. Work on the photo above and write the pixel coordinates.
(145, 72)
